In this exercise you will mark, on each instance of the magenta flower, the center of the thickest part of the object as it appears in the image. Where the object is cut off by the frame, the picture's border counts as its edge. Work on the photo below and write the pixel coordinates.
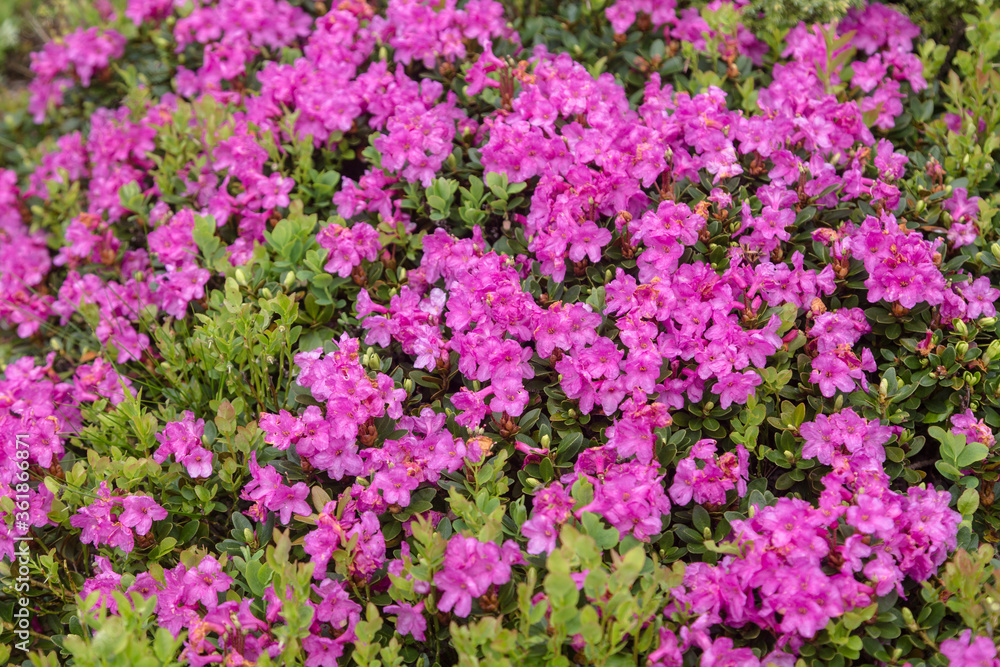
(831, 373)
(204, 583)
(409, 619)
(282, 429)
(287, 500)
(981, 297)
(966, 651)
(198, 462)
(736, 388)
(470, 568)
(140, 513)
(274, 191)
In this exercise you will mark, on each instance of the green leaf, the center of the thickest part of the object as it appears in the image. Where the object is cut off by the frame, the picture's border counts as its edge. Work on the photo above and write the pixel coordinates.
(702, 521)
(606, 538)
(972, 453)
(968, 503)
(204, 235)
(948, 470)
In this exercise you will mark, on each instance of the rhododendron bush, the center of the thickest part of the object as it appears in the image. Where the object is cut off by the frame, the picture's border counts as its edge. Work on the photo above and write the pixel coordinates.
(478, 332)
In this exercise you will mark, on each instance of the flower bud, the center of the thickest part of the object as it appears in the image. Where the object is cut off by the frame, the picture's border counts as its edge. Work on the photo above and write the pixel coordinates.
(706, 533)
(532, 482)
(408, 385)
(289, 280)
(911, 622)
(992, 352)
(995, 249)
(545, 441)
(987, 322)
(962, 348)
(241, 278)
(960, 328)
(401, 274)
(921, 205)
(374, 363)
(571, 414)
(266, 293)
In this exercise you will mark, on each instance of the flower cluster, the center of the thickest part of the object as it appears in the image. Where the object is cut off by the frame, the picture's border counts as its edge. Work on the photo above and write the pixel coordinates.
(485, 331)
(705, 477)
(470, 569)
(183, 440)
(79, 55)
(102, 523)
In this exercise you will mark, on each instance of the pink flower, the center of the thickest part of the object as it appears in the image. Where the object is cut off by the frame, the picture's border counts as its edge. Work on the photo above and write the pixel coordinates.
(736, 388)
(409, 619)
(287, 500)
(981, 297)
(198, 462)
(473, 406)
(204, 583)
(274, 191)
(140, 513)
(966, 651)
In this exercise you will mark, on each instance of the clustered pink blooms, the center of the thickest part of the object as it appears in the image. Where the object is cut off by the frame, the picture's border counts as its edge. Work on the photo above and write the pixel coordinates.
(705, 476)
(470, 569)
(629, 495)
(101, 522)
(964, 212)
(900, 263)
(187, 598)
(36, 412)
(79, 56)
(686, 25)
(267, 490)
(333, 533)
(231, 33)
(348, 246)
(444, 28)
(872, 536)
(353, 400)
(98, 380)
(678, 331)
(551, 507)
(89, 240)
(182, 439)
(836, 366)
(968, 651)
(23, 267)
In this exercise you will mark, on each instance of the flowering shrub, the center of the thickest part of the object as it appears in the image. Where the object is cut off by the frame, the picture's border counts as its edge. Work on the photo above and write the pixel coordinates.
(465, 333)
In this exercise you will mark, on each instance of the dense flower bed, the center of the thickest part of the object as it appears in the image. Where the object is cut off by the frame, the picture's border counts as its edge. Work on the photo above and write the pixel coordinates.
(463, 333)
